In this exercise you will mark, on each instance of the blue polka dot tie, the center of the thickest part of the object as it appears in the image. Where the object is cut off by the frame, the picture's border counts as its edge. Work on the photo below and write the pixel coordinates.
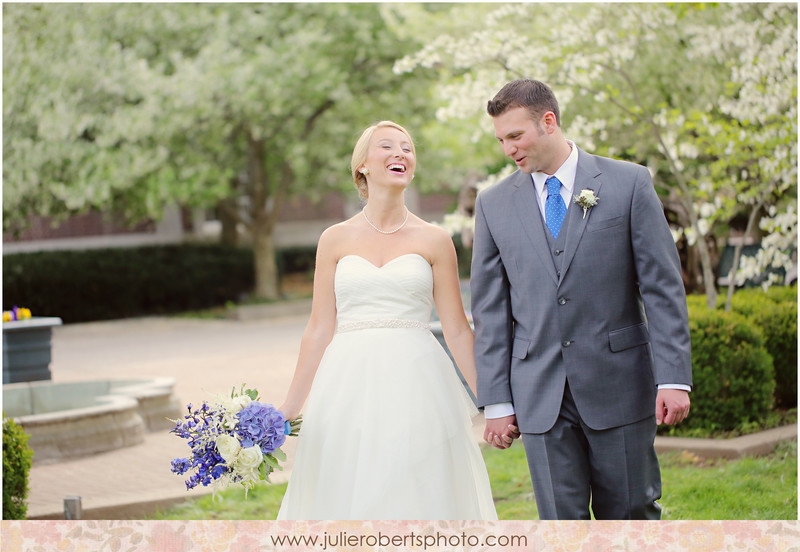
(554, 207)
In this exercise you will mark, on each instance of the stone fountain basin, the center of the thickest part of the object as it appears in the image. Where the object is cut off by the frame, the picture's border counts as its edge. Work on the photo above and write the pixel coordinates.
(66, 420)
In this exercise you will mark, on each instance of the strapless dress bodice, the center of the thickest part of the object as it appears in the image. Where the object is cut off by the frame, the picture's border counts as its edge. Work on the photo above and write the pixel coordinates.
(397, 294)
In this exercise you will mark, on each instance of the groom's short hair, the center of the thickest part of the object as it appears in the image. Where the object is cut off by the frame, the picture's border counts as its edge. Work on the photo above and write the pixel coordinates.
(531, 94)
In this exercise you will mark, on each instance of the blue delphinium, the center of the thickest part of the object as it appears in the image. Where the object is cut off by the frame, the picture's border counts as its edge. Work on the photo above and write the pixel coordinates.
(199, 427)
(181, 465)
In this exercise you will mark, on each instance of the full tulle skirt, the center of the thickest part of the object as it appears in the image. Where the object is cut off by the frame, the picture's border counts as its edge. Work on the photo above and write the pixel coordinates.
(387, 434)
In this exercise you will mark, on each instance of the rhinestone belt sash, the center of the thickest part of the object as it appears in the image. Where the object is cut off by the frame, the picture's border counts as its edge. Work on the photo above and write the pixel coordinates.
(383, 323)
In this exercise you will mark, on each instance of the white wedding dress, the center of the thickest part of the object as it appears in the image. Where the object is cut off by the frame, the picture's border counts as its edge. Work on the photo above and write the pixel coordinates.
(387, 432)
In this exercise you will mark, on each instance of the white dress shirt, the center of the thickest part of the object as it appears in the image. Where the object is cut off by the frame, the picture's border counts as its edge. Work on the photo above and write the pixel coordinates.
(565, 174)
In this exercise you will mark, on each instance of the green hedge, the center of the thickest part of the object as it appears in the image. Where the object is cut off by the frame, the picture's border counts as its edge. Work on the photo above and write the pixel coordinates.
(778, 323)
(780, 294)
(774, 313)
(103, 284)
(296, 259)
(749, 301)
(733, 374)
(17, 459)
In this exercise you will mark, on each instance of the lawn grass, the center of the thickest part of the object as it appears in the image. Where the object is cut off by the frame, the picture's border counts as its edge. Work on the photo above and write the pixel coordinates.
(696, 489)
(747, 488)
(262, 502)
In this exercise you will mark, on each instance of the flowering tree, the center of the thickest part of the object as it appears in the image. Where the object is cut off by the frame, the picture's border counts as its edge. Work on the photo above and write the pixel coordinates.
(674, 88)
(130, 107)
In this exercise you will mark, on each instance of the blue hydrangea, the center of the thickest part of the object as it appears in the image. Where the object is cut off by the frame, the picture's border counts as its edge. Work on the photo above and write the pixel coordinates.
(262, 425)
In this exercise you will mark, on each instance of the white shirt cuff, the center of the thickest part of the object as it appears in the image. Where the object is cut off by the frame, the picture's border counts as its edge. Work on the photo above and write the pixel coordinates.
(499, 410)
(675, 386)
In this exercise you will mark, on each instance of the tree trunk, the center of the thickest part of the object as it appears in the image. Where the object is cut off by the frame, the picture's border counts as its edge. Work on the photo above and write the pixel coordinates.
(225, 211)
(708, 272)
(266, 267)
(737, 254)
(266, 203)
(682, 206)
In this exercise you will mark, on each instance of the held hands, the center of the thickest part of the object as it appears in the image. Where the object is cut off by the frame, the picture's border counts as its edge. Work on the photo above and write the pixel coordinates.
(672, 406)
(501, 432)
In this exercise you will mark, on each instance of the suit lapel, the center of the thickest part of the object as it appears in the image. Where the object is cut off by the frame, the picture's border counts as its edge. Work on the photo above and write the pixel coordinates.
(527, 210)
(586, 176)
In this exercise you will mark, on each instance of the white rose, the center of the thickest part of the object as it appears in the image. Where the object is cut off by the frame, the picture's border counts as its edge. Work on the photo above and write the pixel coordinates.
(251, 457)
(234, 404)
(231, 407)
(228, 447)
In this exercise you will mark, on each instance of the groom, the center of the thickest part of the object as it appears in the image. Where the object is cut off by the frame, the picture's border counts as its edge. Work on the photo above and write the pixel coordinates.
(581, 326)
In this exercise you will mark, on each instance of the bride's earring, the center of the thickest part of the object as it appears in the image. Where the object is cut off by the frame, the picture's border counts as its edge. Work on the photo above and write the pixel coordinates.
(364, 171)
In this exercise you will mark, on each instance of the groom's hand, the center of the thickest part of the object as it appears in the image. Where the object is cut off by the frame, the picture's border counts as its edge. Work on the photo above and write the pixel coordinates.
(501, 432)
(672, 406)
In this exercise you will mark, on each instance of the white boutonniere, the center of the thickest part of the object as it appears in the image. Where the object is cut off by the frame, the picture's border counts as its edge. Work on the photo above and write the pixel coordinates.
(586, 200)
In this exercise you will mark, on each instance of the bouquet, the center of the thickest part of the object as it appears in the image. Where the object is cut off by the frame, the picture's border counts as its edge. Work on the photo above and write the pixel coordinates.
(233, 440)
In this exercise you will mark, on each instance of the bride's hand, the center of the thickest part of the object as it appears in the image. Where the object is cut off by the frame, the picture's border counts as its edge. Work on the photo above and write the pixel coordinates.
(288, 412)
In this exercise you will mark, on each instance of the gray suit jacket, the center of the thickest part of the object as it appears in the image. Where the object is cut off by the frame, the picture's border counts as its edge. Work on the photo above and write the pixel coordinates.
(534, 330)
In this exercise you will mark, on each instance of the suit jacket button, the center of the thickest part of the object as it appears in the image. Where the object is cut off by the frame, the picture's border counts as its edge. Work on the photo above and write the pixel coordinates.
(566, 343)
(557, 252)
(562, 301)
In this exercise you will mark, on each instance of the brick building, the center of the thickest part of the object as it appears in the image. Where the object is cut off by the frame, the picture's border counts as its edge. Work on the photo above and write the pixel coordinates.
(301, 223)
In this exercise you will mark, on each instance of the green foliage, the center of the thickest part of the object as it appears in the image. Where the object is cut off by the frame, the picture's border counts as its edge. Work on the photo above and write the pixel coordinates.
(103, 284)
(464, 256)
(733, 375)
(296, 259)
(262, 502)
(781, 294)
(190, 95)
(625, 90)
(200, 104)
(778, 323)
(17, 459)
(746, 488)
(511, 482)
(774, 313)
(749, 301)
(695, 301)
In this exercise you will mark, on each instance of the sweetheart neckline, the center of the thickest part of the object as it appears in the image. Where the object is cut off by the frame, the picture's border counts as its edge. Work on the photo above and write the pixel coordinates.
(387, 263)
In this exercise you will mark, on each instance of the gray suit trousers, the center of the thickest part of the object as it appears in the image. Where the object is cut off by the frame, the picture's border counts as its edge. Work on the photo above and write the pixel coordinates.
(614, 470)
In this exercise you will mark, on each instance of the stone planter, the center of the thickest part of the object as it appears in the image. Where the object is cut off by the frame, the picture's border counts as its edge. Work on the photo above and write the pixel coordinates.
(26, 349)
(67, 420)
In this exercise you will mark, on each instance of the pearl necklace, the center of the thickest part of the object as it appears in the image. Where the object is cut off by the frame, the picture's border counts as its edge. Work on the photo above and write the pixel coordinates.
(364, 212)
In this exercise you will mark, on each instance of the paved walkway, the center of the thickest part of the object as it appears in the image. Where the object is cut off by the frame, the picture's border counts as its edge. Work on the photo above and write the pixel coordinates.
(203, 356)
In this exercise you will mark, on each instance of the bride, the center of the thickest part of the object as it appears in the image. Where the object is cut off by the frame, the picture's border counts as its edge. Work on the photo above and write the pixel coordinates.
(387, 431)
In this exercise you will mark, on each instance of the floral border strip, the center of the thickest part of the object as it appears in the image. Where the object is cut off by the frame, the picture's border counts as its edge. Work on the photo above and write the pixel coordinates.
(506, 536)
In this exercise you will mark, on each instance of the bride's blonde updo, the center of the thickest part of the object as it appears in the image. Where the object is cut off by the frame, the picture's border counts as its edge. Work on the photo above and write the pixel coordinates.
(360, 154)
